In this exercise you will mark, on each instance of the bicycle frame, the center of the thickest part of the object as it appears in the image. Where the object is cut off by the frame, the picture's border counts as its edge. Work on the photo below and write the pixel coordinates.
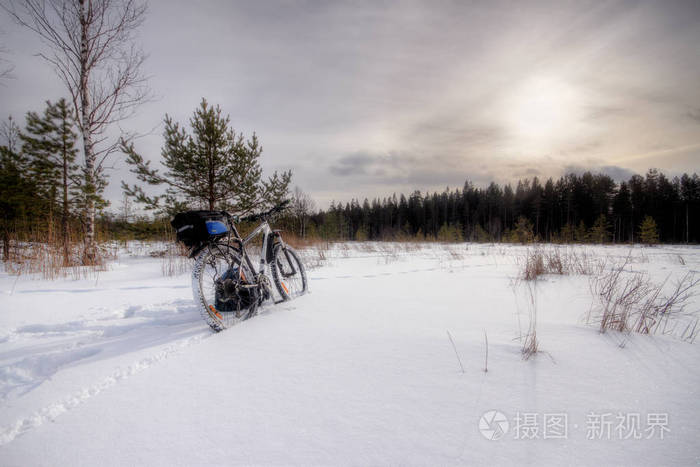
(266, 251)
(265, 229)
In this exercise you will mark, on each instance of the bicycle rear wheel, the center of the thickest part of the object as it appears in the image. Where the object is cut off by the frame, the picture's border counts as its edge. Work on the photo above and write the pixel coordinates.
(221, 287)
(288, 272)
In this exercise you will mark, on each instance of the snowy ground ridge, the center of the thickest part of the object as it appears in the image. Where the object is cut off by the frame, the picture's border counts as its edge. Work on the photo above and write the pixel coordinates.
(52, 411)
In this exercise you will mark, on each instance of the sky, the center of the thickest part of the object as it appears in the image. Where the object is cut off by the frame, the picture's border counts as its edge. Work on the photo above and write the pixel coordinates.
(365, 99)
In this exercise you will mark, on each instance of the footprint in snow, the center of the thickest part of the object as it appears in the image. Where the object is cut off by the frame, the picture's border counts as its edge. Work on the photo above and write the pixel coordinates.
(28, 373)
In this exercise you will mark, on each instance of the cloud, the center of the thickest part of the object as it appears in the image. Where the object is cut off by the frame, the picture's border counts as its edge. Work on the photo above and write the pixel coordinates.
(616, 173)
(454, 130)
(351, 164)
(528, 172)
(694, 115)
(600, 112)
(403, 169)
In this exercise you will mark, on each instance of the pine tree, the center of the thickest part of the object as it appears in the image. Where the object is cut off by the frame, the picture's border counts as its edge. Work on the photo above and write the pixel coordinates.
(212, 167)
(567, 233)
(622, 214)
(361, 234)
(600, 232)
(450, 233)
(50, 143)
(690, 196)
(648, 231)
(16, 188)
(480, 235)
(523, 230)
(581, 233)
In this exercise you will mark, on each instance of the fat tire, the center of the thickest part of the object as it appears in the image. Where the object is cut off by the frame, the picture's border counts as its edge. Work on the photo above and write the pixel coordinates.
(200, 300)
(276, 273)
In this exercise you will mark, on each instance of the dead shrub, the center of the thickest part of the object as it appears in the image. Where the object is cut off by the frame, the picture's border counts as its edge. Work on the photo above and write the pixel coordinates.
(315, 256)
(534, 265)
(527, 291)
(539, 261)
(631, 302)
(175, 259)
(53, 261)
(300, 243)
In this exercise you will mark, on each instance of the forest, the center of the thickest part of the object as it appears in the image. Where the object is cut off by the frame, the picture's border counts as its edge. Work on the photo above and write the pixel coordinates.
(573, 208)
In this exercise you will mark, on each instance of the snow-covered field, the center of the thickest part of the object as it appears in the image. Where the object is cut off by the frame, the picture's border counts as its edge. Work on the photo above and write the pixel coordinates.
(119, 369)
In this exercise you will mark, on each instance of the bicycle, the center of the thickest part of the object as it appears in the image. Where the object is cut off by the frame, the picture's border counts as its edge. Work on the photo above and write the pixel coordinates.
(226, 285)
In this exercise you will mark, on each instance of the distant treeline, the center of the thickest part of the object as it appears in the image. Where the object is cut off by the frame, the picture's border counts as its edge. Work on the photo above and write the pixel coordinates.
(575, 208)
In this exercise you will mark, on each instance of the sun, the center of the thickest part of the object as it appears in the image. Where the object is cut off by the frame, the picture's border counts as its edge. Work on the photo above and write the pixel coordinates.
(542, 111)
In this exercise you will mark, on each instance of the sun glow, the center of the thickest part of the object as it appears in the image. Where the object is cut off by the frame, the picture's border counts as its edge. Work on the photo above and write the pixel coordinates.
(542, 110)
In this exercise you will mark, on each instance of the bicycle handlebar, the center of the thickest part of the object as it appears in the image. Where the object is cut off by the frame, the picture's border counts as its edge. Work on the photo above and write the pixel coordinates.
(262, 215)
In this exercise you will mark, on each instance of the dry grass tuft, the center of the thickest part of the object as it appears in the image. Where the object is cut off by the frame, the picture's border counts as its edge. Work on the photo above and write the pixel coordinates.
(315, 256)
(631, 302)
(300, 243)
(530, 343)
(555, 260)
(175, 259)
(53, 261)
(534, 265)
(525, 291)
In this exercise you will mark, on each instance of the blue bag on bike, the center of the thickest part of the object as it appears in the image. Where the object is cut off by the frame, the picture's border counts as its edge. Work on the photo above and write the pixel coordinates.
(195, 227)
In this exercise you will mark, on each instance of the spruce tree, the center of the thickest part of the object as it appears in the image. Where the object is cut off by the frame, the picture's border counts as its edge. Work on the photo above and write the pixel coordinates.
(581, 233)
(567, 233)
(523, 230)
(210, 167)
(600, 232)
(648, 231)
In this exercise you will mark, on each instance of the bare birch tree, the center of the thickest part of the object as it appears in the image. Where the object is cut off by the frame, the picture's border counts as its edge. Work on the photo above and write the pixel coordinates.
(93, 51)
(5, 66)
(302, 208)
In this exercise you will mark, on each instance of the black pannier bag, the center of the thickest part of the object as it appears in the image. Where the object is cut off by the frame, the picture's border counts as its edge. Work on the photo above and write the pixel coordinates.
(196, 227)
(230, 296)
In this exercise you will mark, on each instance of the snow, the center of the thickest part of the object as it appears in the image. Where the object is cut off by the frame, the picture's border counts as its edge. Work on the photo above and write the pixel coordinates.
(119, 368)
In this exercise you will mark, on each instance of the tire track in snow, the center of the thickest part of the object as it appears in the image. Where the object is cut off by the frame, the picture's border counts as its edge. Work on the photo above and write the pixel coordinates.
(47, 349)
(52, 411)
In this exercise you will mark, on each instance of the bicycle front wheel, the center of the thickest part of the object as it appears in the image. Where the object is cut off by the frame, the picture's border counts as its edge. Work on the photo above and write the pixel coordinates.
(220, 287)
(288, 272)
